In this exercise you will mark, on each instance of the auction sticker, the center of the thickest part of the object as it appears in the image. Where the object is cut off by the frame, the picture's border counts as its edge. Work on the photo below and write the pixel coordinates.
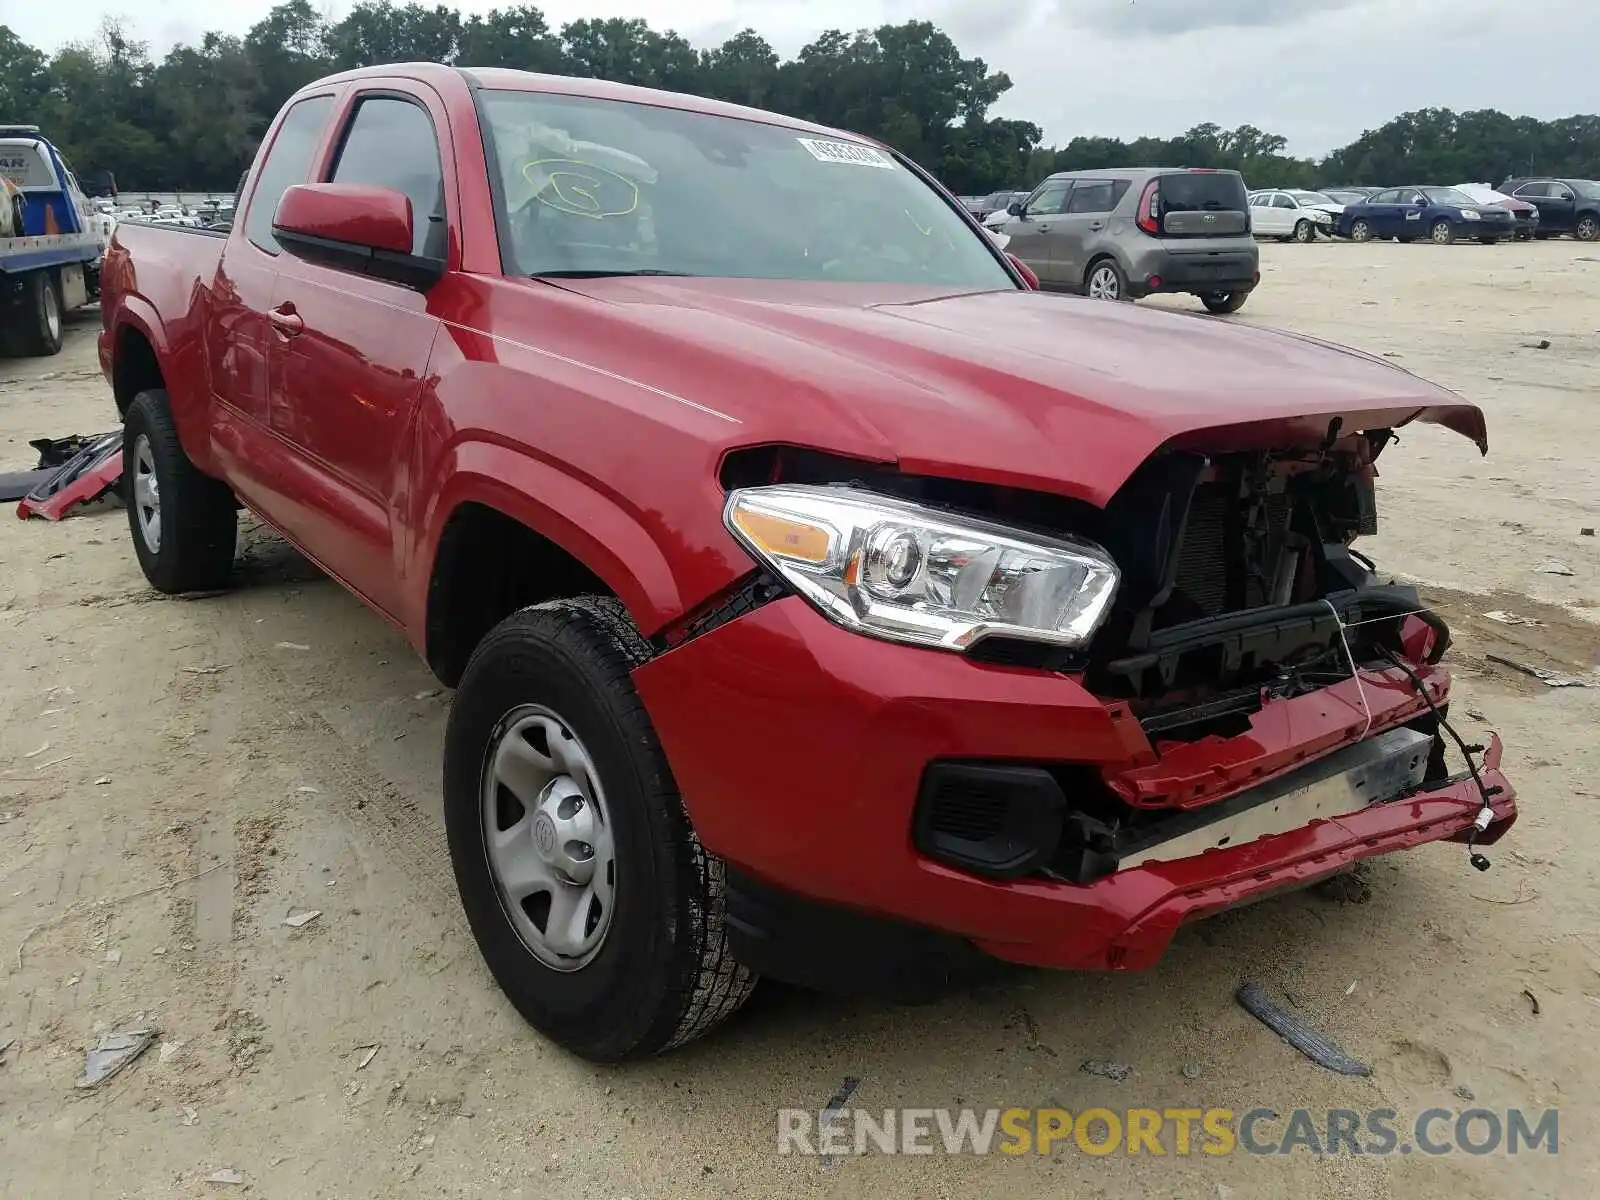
(852, 153)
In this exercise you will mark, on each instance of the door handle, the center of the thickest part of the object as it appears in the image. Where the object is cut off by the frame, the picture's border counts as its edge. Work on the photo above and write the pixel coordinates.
(1042, 228)
(285, 320)
(1097, 224)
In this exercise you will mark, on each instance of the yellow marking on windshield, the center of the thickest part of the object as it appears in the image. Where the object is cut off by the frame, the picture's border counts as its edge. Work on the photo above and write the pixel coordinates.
(578, 193)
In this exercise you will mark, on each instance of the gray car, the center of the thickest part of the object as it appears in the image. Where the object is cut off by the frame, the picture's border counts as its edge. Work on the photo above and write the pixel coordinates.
(1135, 231)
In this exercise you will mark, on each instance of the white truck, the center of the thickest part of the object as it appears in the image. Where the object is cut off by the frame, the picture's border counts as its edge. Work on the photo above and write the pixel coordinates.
(51, 243)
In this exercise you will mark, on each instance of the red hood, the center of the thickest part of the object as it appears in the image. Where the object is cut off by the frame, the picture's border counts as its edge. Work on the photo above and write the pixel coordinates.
(1016, 388)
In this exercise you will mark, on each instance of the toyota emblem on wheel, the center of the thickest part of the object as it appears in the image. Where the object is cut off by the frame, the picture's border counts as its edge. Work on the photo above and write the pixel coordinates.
(544, 834)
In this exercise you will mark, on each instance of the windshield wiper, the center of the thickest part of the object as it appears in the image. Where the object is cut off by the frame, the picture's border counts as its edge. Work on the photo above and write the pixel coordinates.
(575, 274)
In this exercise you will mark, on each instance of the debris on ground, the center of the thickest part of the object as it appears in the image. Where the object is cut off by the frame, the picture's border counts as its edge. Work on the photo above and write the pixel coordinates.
(1586, 531)
(308, 791)
(114, 1052)
(1476, 715)
(1532, 999)
(1553, 567)
(1463, 1092)
(36, 753)
(1296, 1032)
(191, 1116)
(836, 1102)
(169, 1051)
(292, 646)
(5, 1047)
(103, 781)
(1511, 618)
(206, 670)
(366, 1059)
(428, 695)
(1193, 1070)
(301, 920)
(113, 957)
(1542, 674)
(226, 1175)
(1114, 1071)
(1541, 344)
(1351, 990)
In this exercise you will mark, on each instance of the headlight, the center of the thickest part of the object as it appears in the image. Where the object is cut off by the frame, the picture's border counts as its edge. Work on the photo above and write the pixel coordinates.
(1468, 215)
(910, 573)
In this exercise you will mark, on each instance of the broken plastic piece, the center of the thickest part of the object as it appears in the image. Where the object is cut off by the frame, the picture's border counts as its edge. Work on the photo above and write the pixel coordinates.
(226, 1175)
(300, 920)
(1297, 1033)
(115, 1051)
(87, 475)
(1107, 1070)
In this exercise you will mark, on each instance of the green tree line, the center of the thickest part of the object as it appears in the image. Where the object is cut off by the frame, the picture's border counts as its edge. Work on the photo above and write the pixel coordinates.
(193, 119)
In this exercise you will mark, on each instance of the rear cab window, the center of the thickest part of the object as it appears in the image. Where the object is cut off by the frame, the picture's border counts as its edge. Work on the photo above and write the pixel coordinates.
(288, 163)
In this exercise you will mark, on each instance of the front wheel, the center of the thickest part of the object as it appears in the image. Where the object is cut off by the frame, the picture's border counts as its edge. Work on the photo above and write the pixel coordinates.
(184, 523)
(1442, 233)
(1303, 232)
(1105, 281)
(596, 909)
(1360, 230)
(1224, 302)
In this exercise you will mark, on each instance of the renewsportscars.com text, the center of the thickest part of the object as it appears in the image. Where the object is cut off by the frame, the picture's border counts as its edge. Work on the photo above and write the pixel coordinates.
(1166, 1131)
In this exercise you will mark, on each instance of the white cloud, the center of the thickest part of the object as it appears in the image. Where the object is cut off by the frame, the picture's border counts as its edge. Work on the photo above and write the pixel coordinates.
(1316, 71)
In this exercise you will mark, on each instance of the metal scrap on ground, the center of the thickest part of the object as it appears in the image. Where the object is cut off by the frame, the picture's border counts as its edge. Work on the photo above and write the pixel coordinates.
(1296, 1032)
(115, 1051)
(1542, 674)
(1107, 1070)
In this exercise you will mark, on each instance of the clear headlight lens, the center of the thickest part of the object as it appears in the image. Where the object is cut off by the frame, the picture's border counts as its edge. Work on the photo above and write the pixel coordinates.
(1468, 215)
(910, 573)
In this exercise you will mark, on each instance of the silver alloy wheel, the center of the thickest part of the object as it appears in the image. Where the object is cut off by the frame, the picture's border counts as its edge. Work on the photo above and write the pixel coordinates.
(1303, 231)
(1588, 230)
(147, 494)
(52, 313)
(1103, 283)
(1360, 231)
(1441, 233)
(548, 837)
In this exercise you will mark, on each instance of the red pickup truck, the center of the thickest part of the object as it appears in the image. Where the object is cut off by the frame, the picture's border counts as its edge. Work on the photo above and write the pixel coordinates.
(821, 601)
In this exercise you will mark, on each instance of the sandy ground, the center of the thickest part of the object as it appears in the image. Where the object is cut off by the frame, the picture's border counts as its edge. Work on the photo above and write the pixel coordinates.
(177, 777)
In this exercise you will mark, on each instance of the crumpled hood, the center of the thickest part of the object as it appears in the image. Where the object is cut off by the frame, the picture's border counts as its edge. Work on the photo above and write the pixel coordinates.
(1025, 389)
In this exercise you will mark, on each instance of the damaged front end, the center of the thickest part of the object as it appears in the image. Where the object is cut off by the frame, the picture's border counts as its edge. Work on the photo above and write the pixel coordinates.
(1265, 675)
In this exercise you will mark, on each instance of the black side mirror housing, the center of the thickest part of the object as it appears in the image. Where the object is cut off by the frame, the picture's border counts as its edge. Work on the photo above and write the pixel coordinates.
(1015, 208)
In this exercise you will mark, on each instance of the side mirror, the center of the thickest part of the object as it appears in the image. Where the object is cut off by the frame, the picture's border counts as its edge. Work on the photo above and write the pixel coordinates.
(1028, 276)
(1015, 208)
(363, 230)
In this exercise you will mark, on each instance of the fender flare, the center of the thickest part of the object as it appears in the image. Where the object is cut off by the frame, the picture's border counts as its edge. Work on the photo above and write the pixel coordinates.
(559, 507)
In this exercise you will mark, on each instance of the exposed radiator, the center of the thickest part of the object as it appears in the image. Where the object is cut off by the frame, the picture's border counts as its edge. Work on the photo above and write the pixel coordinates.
(1203, 558)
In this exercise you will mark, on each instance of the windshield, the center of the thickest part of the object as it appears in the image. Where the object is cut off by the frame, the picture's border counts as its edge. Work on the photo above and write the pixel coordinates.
(612, 187)
(1447, 196)
(1587, 187)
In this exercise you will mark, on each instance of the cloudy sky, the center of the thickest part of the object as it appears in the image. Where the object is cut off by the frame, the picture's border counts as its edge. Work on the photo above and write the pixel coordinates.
(1316, 71)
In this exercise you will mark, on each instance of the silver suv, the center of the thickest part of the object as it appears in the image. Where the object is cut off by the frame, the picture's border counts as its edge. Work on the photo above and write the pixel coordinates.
(1134, 231)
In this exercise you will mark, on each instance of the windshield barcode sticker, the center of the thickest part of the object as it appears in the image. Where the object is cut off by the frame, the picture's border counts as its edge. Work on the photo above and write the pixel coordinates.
(852, 153)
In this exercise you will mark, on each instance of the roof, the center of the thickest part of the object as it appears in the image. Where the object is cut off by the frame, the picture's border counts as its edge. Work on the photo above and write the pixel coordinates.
(1141, 172)
(505, 79)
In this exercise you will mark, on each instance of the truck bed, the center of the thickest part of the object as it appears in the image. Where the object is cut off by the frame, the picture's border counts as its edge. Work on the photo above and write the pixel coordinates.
(31, 253)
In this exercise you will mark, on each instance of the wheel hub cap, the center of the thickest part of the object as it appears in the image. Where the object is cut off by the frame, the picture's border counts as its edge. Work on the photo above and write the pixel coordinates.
(1103, 285)
(146, 494)
(548, 839)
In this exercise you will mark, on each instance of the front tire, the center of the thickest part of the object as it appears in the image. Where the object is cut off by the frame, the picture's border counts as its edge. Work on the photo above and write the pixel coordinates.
(591, 899)
(1303, 232)
(1360, 230)
(1224, 302)
(34, 326)
(1442, 233)
(184, 523)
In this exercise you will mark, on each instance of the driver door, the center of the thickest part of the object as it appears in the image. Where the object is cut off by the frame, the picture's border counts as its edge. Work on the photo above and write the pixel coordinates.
(1030, 233)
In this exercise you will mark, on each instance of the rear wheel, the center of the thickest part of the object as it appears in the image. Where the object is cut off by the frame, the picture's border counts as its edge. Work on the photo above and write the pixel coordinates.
(596, 909)
(1587, 229)
(1442, 233)
(1224, 302)
(1360, 230)
(1303, 232)
(1105, 281)
(184, 523)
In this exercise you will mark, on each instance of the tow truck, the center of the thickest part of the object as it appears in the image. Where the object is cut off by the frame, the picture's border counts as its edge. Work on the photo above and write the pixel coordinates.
(51, 243)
